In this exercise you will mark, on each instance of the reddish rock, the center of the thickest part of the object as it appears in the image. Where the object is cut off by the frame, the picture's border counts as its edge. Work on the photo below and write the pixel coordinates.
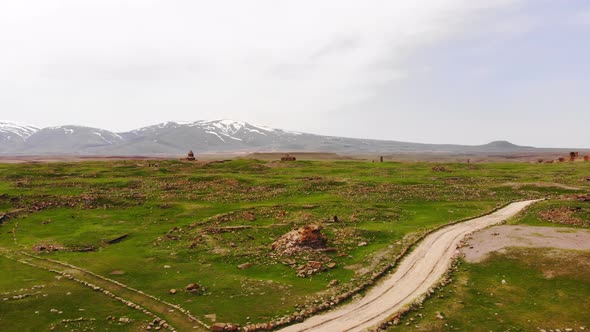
(244, 266)
(194, 288)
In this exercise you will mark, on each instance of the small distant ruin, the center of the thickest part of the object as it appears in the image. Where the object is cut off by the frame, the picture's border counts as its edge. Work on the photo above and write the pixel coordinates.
(191, 156)
(561, 159)
(586, 158)
(288, 157)
(574, 155)
(381, 159)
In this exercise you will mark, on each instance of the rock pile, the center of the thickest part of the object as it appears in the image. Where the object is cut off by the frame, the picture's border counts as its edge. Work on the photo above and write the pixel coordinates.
(194, 288)
(225, 327)
(441, 169)
(305, 238)
(47, 247)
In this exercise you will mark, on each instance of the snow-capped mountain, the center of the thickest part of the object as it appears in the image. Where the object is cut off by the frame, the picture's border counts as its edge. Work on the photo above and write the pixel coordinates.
(64, 139)
(176, 138)
(15, 132)
(208, 136)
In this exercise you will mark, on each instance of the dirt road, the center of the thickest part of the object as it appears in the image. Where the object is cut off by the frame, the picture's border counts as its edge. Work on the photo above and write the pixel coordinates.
(420, 270)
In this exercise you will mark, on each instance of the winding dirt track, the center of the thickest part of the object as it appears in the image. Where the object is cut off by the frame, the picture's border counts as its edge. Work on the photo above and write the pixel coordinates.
(176, 319)
(419, 271)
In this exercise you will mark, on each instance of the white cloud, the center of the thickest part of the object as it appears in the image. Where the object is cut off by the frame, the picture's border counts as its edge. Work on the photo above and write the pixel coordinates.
(265, 60)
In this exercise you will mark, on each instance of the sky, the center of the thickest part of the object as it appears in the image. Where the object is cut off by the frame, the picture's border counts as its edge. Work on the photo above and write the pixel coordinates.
(432, 71)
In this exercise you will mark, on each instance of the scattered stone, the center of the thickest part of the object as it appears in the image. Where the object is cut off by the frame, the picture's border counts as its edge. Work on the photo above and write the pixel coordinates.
(244, 266)
(504, 282)
(312, 267)
(125, 320)
(167, 266)
(333, 283)
(362, 244)
(172, 291)
(439, 315)
(117, 272)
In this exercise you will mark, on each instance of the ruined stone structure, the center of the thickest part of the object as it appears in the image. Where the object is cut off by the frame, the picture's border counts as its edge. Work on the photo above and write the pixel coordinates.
(574, 155)
(307, 237)
(288, 157)
(586, 158)
(191, 156)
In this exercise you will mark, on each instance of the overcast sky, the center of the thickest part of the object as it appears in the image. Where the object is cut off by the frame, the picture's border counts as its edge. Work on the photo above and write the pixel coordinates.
(440, 71)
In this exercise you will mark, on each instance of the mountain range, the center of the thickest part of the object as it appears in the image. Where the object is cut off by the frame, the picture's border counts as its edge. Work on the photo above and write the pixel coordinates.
(218, 136)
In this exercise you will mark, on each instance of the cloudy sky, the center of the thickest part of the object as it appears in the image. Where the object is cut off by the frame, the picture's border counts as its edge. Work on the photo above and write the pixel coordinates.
(439, 71)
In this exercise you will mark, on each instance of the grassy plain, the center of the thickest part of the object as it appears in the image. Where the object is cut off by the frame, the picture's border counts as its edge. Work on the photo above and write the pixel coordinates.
(185, 223)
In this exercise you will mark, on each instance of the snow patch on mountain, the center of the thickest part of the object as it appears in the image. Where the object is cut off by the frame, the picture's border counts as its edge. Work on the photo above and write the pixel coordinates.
(11, 130)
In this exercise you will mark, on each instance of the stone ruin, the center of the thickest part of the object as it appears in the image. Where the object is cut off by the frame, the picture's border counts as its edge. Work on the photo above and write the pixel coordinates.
(586, 158)
(190, 156)
(574, 155)
(288, 157)
(305, 238)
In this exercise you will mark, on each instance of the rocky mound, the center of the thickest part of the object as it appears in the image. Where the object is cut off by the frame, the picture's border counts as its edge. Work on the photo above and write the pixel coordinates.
(305, 238)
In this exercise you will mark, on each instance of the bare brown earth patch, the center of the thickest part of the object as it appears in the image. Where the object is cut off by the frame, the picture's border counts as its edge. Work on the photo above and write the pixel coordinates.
(498, 238)
(563, 215)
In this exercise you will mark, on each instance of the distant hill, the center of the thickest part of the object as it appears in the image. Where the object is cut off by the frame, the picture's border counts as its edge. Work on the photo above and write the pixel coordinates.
(219, 136)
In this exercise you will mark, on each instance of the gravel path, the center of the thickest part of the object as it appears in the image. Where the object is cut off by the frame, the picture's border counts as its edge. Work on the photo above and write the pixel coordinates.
(419, 271)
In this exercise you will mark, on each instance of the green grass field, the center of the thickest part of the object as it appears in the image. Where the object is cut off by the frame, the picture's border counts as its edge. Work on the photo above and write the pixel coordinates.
(188, 223)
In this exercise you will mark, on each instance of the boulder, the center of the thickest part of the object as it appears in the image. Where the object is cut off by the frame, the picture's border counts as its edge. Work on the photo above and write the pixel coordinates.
(194, 288)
